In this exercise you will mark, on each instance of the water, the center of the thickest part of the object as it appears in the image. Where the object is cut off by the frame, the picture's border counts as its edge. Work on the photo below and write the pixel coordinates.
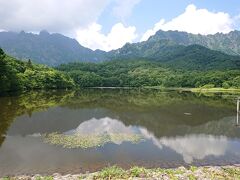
(179, 128)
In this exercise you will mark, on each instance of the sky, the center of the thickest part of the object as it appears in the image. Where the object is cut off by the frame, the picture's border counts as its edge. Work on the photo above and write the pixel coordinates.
(109, 24)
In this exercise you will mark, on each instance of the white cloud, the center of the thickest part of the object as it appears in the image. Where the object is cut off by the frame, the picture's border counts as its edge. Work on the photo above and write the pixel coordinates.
(151, 32)
(196, 21)
(53, 15)
(93, 38)
(124, 8)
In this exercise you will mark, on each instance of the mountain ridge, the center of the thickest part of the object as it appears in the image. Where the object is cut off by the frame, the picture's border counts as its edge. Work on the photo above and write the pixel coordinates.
(54, 49)
(46, 48)
(228, 43)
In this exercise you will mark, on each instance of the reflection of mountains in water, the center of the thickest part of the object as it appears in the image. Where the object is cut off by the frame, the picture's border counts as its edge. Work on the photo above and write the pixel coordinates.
(62, 120)
(225, 126)
(190, 147)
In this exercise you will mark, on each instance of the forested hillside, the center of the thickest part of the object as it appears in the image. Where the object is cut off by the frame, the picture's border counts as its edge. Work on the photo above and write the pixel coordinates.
(193, 57)
(138, 73)
(17, 75)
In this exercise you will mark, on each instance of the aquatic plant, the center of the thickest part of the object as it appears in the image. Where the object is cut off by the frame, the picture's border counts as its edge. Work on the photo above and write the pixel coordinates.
(90, 140)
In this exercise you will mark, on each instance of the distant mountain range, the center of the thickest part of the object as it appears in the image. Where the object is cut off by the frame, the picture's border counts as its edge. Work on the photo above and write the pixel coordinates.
(180, 49)
(227, 43)
(45, 48)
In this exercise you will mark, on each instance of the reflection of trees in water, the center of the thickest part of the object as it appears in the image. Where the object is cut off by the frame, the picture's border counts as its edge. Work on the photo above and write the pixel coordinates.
(27, 103)
(139, 100)
(160, 112)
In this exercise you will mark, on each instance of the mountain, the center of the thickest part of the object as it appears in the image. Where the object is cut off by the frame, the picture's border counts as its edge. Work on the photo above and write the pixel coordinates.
(227, 43)
(45, 48)
(172, 54)
(172, 48)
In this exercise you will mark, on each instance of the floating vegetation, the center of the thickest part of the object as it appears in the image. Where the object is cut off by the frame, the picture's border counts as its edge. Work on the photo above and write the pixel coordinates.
(90, 140)
(95, 133)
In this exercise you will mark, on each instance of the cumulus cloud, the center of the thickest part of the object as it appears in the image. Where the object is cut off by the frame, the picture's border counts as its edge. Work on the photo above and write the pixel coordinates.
(93, 38)
(69, 17)
(196, 21)
(53, 15)
(123, 8)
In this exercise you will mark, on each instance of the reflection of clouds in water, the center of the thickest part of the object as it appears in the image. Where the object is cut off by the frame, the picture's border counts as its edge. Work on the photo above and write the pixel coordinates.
(150, 136)
(197, 146)
(116, 130)
(191, 146)
(102, 126)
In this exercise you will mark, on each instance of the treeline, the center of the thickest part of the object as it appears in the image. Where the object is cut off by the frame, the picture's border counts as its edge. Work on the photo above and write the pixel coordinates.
(18, 75)
(138, 73)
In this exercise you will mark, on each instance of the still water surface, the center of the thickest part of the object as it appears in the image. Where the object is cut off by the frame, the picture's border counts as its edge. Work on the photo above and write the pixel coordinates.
(179, 128)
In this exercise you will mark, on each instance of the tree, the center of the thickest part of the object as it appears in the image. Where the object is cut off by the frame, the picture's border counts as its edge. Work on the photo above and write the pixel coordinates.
(29, 63)
(2, 54)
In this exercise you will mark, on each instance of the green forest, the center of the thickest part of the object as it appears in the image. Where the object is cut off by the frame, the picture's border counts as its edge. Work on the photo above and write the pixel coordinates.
(140, 73)
(16, 75)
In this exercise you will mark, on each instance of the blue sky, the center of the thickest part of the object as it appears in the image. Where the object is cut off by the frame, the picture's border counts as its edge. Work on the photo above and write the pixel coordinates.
(148, 12)
(109, 24)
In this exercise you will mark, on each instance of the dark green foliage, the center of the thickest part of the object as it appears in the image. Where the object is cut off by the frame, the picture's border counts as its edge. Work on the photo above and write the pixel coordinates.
(17, 75)
(138, 73)
(193, 57)
(197, 57)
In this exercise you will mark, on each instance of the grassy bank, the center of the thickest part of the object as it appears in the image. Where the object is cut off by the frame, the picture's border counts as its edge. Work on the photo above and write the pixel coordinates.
(114, 172)
(230, 90)
(213, 90)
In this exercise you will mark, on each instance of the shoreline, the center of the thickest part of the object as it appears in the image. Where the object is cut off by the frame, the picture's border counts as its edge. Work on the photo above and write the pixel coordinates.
(115, 172)
(198, 90)
(204, 90)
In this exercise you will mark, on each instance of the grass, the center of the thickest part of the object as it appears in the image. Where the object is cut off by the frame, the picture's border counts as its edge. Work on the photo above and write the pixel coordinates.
(191, 173)
(235, 173)
(5, 178)
(113, 172)
(26, 178)
(193, 168)
(214, 90)
(44, 178)
(138, 172)
(89, 141)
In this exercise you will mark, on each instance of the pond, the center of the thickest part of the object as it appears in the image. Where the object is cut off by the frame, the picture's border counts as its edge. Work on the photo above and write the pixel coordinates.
(86, 130)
